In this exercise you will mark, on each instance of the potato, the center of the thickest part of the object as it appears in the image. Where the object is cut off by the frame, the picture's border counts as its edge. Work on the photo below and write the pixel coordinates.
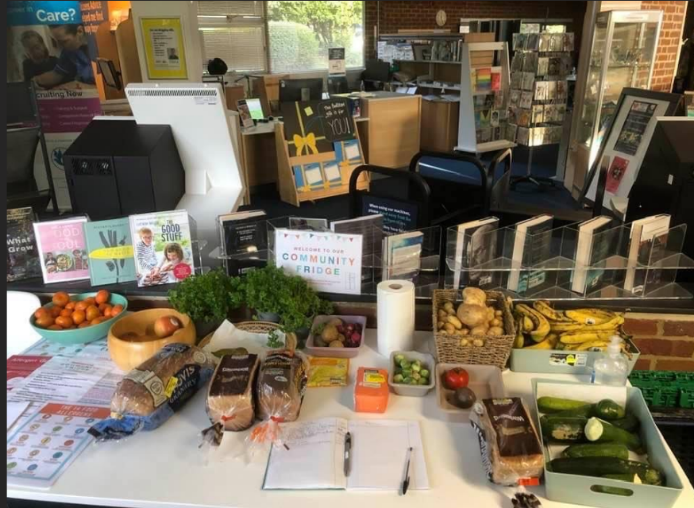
(495, 322)
(464, 342)
(478, 342)
(495, 330)
(472, 315)
(336, 322)
(442, 314)
(498, 313)
(464, 331)
(490, 313)
(475, 296)
(448, 307)
(440, 324)
(479, 330)
(455, 322)
(449, 328)
(341, 337)
(336, 343)
(329, 334)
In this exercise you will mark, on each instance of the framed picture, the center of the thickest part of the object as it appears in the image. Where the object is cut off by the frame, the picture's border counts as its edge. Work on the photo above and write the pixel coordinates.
(627, 136)
(421, 51)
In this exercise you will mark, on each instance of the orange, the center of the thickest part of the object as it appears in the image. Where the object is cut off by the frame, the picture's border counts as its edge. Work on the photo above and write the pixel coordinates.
(84, 324)
(55, 327)
(81, 305)
(64, 321)
(78, 317)
(117, 309)
(45, 321)
(90, 301)
(55, 311)
(92, 313)
(41, 311)
(61, 298)
(98, 320)
(106, 311)
(66, 312)
(70, 305)
(103, 296)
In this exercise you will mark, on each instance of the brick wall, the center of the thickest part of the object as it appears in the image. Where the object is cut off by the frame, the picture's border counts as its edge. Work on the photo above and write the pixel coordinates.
(669, 43)
(422, 15)
(666, 341)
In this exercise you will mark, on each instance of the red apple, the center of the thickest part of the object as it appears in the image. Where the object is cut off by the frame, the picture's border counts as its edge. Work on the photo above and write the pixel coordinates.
(166, 326)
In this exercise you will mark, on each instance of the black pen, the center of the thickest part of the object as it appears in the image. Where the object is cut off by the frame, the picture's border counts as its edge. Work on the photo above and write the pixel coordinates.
(406, 481)
(348, 453)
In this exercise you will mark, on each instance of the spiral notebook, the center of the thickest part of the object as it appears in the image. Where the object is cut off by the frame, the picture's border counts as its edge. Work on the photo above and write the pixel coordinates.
(313, 458)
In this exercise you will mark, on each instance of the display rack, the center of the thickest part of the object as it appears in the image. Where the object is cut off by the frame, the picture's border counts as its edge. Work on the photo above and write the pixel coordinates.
(289, 166)
(484, 93)
(556, 273)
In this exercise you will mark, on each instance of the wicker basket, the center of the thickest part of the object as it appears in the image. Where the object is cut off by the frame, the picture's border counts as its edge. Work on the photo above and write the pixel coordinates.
(258, 327)
(497, 348)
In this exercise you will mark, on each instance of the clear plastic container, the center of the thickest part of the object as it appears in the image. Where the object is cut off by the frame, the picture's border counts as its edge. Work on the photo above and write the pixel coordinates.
(612, 368)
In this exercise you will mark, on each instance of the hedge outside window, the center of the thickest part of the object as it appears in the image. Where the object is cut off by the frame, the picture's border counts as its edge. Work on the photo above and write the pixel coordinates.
(300, 34)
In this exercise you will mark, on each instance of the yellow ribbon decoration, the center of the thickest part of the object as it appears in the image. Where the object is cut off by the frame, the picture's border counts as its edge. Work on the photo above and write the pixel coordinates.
(309, 141)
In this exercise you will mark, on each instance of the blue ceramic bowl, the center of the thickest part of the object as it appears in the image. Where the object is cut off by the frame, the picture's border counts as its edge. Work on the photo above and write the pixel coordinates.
(81, 335)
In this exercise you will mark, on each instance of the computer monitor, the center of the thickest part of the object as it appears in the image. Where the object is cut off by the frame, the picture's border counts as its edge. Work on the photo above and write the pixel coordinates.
(110, 73)
(376, 71)
(20, 103)
(337, 84)
(295, 90)
(255, 108)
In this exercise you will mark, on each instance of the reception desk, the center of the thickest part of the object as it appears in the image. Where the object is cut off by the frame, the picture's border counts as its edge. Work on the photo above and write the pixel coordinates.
(391, 137)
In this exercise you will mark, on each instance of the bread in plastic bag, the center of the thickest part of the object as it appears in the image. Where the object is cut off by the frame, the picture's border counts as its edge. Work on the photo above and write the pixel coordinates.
(151, 393)
(510, 449)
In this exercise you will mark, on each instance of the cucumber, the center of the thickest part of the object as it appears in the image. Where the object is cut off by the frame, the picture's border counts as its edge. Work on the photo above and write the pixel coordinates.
(617, 450)
(602, 431)
(615, 491)
(625, 477)
(600, 466)
(564, 430)
(549, 405)
(609, 410)
(629, 423)
(583, 411)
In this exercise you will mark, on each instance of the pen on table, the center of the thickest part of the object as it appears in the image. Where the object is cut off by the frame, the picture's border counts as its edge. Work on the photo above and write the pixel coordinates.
(406, 480)
(348, 453)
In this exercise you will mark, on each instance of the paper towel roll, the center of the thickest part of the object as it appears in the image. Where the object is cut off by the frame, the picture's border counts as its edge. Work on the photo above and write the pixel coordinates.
(395, 307)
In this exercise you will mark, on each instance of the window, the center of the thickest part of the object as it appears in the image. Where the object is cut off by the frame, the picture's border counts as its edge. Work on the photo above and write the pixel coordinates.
(300, 34)
(234, 32)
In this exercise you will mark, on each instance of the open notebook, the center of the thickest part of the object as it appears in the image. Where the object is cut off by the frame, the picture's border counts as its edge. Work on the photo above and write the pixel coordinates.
(315, 458)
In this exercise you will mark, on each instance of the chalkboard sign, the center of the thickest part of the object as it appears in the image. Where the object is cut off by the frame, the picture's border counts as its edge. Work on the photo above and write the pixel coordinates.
(398, 216)
(338, 124)
(303, 129)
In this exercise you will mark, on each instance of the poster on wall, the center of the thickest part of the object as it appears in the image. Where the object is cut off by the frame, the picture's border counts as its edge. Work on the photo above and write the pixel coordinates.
(336, 62)
(164, 48)
(49, 44)
(330, 262)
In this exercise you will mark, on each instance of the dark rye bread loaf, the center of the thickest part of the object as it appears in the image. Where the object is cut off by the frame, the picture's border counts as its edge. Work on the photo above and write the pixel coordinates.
(281, 385)
(230, 399)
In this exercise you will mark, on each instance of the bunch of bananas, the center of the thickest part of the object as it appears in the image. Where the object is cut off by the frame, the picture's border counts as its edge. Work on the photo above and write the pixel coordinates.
(574, 330)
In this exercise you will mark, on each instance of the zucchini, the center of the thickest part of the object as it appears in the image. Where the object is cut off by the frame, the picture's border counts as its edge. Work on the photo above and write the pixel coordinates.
(625, 477)
(602, 431)
(549, 405)
(583, 411)
(564, 430)
(617, 450)
(600, 466)
(609, 410)
(629, 423)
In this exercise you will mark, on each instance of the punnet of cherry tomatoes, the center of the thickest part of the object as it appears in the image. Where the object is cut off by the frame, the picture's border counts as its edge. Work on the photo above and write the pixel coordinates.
(68, 314)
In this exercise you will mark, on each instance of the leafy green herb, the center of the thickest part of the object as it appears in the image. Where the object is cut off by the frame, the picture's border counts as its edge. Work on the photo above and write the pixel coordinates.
(207, 297)
(273, 340)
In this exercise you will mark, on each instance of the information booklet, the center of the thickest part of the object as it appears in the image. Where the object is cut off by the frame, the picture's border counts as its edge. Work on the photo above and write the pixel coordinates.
(592, 249)
(22, 252)
(313, 457)
(530, 247)
(163, 247)
(402, 255)
(243, 237)
(110, 251)
(62, 249)
(475, 245)
(647, 245)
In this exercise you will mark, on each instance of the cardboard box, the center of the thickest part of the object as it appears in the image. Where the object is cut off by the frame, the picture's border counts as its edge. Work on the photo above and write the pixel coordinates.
(580, 489)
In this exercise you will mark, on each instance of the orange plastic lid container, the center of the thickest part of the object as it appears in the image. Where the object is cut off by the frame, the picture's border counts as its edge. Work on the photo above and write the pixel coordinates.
(371, 390)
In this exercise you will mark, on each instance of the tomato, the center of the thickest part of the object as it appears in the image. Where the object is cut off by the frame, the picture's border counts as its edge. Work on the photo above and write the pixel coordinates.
(81, 305)
(55, 327)
(84, 324)
(64, 321)
(79, 316)
(106, 311)
(66, 313)
(456, 378)
(103, 296)
(98, 320)
(41, 311)
(71, 305)
(44, 321)
(61, 298)
(55, 311)
(117, 309)
(92, 313)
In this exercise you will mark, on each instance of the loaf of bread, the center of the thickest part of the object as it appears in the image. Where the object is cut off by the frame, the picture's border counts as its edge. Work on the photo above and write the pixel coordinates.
(509, 445)
(230, 400)
(281, 385)
(150, 394)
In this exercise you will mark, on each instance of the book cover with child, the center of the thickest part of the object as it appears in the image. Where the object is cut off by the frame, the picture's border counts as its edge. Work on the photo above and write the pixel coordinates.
(163, 247)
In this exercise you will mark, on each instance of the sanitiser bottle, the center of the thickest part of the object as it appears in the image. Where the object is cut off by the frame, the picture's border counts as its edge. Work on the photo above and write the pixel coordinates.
(611, 368)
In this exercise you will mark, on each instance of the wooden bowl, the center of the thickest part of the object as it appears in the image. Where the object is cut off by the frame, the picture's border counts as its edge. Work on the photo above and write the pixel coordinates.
(127, 353)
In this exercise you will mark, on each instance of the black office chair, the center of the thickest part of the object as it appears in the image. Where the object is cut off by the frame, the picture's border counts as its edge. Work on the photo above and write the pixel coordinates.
(24, 133)
(456, 195)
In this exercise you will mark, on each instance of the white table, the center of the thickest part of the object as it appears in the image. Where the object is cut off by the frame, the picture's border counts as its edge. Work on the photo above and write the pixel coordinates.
(165, 468)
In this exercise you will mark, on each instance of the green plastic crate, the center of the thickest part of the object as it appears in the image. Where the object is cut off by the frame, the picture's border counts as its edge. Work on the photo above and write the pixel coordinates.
(686, 398)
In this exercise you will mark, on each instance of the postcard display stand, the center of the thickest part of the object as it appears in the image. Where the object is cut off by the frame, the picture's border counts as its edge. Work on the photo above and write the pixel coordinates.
(537, 102)
(484, 95)
(318, 147)
(553, 272)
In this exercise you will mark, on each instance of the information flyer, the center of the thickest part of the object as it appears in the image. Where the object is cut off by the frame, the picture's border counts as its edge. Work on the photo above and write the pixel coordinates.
(330, 262)
(164, 48)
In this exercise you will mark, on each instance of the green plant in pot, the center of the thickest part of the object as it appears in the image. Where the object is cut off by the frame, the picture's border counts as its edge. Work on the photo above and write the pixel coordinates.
(207, 299)
(285, 299)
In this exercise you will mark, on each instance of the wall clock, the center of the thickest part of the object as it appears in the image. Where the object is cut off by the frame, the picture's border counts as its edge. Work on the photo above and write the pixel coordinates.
(441, 18)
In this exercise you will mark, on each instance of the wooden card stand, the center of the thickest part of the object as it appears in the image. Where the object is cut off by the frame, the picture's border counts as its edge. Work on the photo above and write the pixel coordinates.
(289, 193)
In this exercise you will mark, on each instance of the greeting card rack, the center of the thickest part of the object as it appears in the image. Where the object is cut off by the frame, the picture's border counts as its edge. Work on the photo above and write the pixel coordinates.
(555, 272)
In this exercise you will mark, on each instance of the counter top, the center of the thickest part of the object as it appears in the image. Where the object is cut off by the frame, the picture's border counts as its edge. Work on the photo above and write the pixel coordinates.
(165, 468)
